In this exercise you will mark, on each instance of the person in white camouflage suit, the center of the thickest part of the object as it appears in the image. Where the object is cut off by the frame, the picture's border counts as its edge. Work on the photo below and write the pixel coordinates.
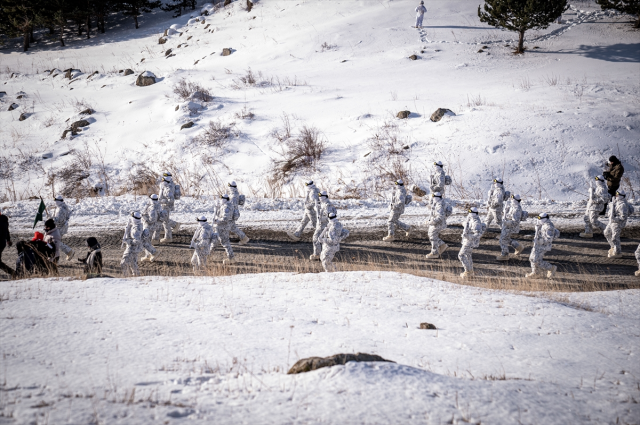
(437, 222)
(330, 238)
(545, 234)
(61, 216)
(619, 211)
(598, 198)
(473, 228)
(637, 273)
(437, 178)
(311, 201)
(223, 220)
(396, 209)
(150, 222)
(132, 238)
(202, 242)
(168, 194)
(510, 226)
(235, 199)
(495, 204)
(324, 209)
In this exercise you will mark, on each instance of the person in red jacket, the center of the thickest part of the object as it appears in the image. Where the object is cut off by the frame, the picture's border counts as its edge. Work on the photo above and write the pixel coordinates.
(5, 240)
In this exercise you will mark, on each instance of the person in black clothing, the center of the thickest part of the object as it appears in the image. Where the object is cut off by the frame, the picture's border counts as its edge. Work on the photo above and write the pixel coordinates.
(613, 176)
(25, 263)
(43, 252)
(93, 260)
(5, 239)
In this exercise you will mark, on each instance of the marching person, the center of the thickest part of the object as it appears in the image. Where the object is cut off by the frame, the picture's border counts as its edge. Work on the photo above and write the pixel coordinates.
(201, 242)
(61, 217)
(420, 11)
(133, 240)
(169, 193)
(330, 238)
(511, 226)
(53, 238)
(495, 204)
(613, 176)
(437, 178)
(637, 273)
(324, 209)
(43, 254)
(437, 223)
(237, 200)
(93, 261)
(396, 209)
(618, 213)
(473, 228)
(545, 234)
(5, 240)
(598, 198)
(223, 221)
(150, 221)
(311, 201)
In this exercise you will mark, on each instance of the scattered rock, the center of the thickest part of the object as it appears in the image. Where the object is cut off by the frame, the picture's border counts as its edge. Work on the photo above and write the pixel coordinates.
(314, 363)
(187, 125)
(23, 117)
(480, 51)
(189, 38)
(67, 131)
(403, 115)
(20, 96)
(3, 93)
(46, 156)
(205, 13)
(439, 113)
(406, 147)
(249, 5)
(147, 78)
(485, 47)
(13, 106)
(92, 74)
(417, 190)
(128, 71)
(227, 2)
(207, 26)
(71, 73)
(76, 125)
(426, 325)
(141, 60)
(121, 71)
(343, 61)
(162, 40)
(177, 107)
(196, 62)
(536, 47)
(87, 111)
(165, 34)
(226, 51)
(168, 52)
(413, 57)
(421, 51)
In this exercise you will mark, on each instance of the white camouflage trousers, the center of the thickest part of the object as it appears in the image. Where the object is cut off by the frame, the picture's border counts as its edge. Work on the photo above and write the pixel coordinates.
(223, 237)
(394, 221)
(465, 257)
(508, 227)
(638, 256)
(317, 245)
(199, 259)
(168, 226)
(419, 19)
(494, 214)
(235, 229)
(309, 216)
(434, 237)
(538, 264)
(326, 257)
(129, 262)
(612, 233)
(591, 220)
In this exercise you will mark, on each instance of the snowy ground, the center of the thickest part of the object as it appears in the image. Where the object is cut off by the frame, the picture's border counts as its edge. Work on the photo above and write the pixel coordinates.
(162, 350)
(543, 121)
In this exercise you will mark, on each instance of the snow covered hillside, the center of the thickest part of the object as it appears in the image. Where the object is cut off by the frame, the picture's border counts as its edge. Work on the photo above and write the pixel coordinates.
(543, 121)
(216, 350)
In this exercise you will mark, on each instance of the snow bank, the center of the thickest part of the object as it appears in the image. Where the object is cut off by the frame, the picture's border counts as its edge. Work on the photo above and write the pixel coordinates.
(146, 350)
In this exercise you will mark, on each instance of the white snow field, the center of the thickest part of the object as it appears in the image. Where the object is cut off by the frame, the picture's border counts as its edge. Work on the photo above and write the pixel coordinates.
(544, 121)
(216, 350)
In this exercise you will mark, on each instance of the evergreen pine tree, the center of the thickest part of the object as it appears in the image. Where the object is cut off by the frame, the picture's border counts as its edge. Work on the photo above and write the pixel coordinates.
(630, 7)
(134, 8)
(177, 6)
(521, 15)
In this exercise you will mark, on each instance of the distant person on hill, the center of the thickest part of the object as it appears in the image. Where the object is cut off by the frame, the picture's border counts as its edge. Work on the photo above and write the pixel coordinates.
(613, 176)
(5, 239)
(420, 11)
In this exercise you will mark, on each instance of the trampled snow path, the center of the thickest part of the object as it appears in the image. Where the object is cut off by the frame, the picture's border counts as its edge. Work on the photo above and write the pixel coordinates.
(216, 350)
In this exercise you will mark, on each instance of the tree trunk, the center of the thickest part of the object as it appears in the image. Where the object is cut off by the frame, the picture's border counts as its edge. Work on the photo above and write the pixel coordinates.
(25, 41)
(62, 35)
(88, 24)
(521, 43)
(135, 18)
(31, 39)
(637, 25)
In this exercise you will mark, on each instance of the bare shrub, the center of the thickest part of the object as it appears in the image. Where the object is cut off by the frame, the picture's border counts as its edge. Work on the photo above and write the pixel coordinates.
(49, 121)
(142, 180)
(184, 89)
(81, 105)
(284, 133)
(245, 114)
(74, 181)
(525, 84)
(326, 46)
(216, 134)
(552, 80)
(301, 152)
(475, 101)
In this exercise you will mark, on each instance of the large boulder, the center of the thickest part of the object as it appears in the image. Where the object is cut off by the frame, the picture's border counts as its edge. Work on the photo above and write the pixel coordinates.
(162, 40)
(23, 117)
(71, 73)
(187, 125)
(76, 125)
(403, 115)
(313, 363)
(128, 71)
(147, 78)
(226, 51)
(441, 112)
(13, 106)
